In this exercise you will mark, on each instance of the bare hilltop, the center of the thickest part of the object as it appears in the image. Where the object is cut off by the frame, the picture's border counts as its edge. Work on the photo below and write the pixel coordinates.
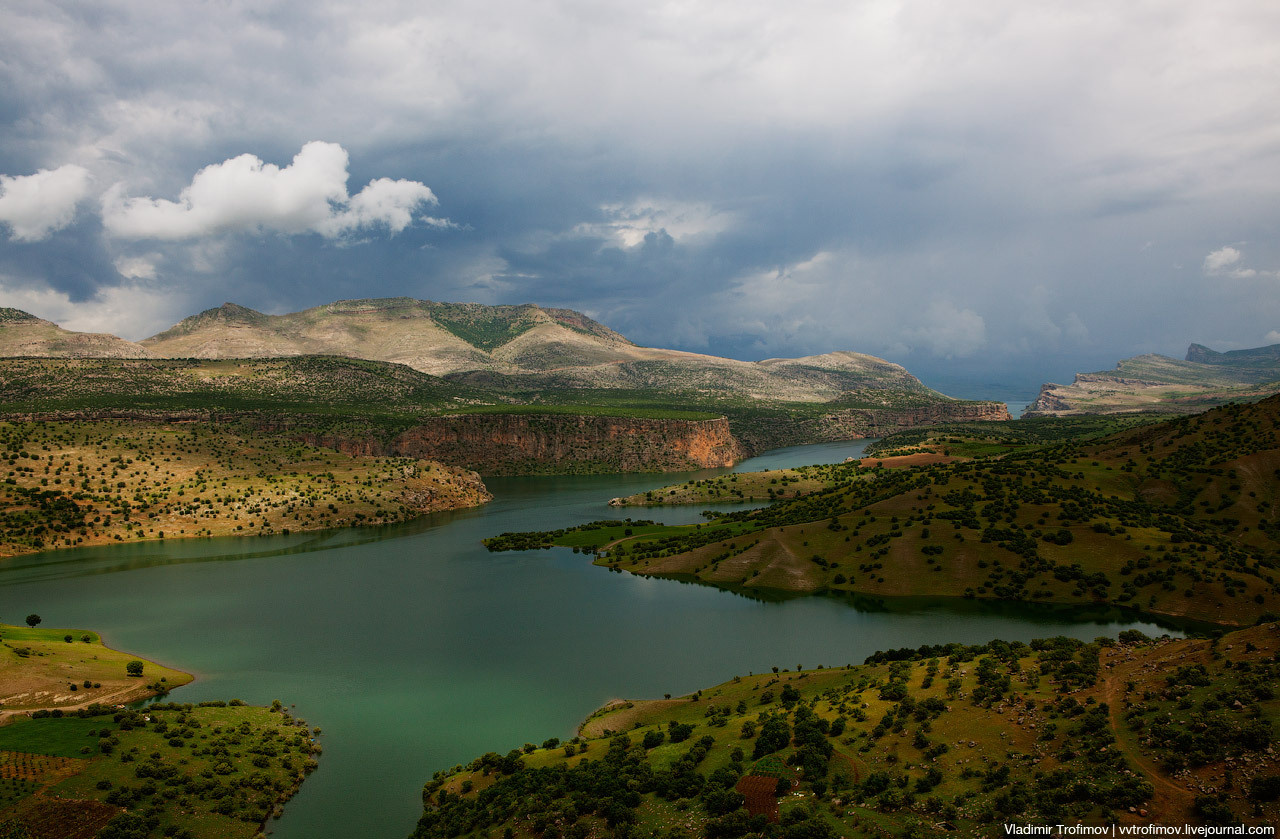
(24, 334)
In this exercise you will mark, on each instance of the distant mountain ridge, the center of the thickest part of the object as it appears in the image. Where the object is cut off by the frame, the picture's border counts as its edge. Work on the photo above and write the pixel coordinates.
(504, 348)
(1153, 382)
(1262, 356)
(24, 334)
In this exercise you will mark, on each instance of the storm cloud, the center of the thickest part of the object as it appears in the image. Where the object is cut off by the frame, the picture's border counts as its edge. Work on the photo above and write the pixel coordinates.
(987, 192)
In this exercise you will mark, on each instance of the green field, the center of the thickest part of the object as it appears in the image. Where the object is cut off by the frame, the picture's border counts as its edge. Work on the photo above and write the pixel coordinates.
(70, 668)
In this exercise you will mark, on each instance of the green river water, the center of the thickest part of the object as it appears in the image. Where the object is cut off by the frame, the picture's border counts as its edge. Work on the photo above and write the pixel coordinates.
(414, 648)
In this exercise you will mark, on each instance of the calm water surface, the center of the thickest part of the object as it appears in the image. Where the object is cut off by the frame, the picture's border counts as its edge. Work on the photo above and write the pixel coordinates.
(414, 648)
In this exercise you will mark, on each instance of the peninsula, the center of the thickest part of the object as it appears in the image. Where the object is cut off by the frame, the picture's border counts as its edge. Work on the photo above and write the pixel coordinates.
(1175, 518)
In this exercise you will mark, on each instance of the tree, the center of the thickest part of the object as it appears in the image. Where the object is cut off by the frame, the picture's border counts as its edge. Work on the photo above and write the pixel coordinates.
(134, 668)
(33, 620)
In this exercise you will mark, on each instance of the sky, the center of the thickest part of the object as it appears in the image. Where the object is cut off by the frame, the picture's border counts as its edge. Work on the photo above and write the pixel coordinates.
(992, 193)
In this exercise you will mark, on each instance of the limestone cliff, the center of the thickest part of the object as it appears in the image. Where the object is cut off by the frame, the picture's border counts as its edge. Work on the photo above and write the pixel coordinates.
(522, 444)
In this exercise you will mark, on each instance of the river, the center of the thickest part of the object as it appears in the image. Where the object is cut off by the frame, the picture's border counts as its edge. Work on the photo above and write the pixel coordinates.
(414, 648)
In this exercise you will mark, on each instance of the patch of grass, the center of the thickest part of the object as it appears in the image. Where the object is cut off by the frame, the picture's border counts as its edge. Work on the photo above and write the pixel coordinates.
(770, 485)
(40, 668)
(66, 736)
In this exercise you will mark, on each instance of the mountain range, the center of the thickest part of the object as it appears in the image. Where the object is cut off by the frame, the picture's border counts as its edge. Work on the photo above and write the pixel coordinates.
(523, 347)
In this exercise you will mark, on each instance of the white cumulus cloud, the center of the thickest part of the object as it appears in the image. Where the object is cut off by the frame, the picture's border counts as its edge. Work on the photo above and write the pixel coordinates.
(244, 194)
(1222, 262)
(36, 205)
(1272, 337)
(1226, 262)
(132, 311)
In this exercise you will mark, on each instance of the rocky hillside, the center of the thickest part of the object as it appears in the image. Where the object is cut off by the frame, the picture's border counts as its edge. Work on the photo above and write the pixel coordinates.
(1205, 378)
(375, 368)
(367, 404)
(91, 482)
(23, 334)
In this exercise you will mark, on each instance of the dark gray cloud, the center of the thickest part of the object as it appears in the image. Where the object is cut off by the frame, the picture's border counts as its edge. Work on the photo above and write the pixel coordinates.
(991, 191)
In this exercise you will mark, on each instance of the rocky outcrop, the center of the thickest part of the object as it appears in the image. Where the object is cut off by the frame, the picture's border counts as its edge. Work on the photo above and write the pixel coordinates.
(1153, 382)
(1047, 402)
(524, 444)
(431, 487)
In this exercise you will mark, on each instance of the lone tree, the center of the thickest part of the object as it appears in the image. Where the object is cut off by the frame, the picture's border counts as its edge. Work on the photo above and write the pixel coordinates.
(32, 620)
(134, 668)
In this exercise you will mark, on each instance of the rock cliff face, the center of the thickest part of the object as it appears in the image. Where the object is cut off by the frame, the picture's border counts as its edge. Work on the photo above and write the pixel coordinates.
(523, 444)
(431, 487)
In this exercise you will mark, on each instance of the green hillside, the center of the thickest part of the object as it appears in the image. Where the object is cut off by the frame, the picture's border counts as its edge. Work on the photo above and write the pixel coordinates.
(950, 740)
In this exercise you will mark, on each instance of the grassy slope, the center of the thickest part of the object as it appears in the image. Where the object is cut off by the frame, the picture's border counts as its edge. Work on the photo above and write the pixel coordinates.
(1057, 731)
(1176, 518)
(195, 772)
(95, 482)
(38, 668)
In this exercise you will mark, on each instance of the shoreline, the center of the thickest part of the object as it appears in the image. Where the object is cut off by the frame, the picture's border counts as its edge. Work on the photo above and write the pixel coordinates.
(123, 693)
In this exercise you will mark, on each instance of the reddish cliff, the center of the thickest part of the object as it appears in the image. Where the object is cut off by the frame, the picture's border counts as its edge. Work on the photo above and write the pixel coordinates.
(507, 444)
(522, 444)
